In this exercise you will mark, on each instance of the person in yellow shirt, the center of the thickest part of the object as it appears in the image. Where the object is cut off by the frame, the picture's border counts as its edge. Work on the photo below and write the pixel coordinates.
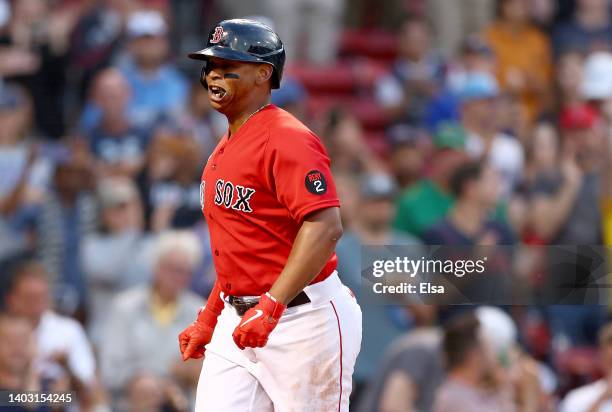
(523, 54)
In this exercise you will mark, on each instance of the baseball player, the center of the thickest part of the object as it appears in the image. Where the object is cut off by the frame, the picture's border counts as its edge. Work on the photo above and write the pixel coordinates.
(279, 332)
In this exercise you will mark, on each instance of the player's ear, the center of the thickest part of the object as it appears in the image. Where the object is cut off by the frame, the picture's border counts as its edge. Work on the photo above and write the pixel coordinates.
(264, 73)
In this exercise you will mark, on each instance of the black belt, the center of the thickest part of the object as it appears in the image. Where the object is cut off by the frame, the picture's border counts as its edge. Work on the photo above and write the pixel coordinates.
(242, 304)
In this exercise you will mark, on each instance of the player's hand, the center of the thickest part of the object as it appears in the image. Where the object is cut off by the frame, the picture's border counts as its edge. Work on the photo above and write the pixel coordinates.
(197, 335)
(258, 322)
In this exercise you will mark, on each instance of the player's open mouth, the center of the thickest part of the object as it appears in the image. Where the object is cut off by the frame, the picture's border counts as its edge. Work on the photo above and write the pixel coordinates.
(216, 93)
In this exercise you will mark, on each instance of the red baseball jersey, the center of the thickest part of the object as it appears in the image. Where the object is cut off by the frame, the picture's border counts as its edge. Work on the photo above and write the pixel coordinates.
(257, 187)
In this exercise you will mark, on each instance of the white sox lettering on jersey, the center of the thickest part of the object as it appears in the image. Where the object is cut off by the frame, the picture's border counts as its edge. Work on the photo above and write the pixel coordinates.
(233, 196)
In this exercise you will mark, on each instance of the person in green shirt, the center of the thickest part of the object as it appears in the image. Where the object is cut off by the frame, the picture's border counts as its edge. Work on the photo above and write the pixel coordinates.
(428, 201)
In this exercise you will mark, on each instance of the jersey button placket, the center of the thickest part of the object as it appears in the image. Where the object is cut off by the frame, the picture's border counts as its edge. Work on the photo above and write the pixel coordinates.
(219, 153)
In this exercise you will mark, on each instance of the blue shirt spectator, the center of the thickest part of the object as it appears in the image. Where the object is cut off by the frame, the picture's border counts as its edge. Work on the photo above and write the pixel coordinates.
(156, 95)
(589, 30)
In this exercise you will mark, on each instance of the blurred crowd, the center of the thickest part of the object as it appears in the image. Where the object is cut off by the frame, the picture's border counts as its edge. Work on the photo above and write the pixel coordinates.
(463, 122)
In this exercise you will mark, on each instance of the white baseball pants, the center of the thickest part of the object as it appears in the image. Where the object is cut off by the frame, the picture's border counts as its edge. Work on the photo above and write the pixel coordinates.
(307, 364)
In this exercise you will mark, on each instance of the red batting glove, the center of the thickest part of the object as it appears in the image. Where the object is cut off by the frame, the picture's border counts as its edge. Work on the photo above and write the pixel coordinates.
(197, 335)
(258, 322)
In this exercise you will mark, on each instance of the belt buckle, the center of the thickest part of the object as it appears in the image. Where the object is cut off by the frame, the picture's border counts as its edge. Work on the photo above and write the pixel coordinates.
(242, 304)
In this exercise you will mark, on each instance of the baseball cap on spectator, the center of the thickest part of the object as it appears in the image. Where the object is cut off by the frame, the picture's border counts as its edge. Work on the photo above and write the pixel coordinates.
(377, 186)
(404, 134)
(497, 327)
(478, 86)
(449, 135)
(146, 23)
(113, 192)
(474, 44)
(577, 117)
(597, 79)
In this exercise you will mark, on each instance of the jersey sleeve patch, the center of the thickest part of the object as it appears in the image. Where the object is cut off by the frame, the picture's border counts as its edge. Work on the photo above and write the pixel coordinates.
(315, 182)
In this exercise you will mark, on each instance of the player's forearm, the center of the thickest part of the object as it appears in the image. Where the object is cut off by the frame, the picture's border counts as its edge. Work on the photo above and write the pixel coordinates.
(313, 246)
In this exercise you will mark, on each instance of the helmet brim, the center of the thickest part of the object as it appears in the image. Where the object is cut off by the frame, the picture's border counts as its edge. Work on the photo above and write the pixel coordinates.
(224, 53)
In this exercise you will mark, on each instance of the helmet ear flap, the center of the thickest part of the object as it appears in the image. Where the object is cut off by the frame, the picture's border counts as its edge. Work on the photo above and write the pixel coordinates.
(203, 77)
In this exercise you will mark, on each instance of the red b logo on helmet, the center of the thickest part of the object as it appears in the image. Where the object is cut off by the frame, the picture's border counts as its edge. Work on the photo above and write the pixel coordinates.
(216, 37)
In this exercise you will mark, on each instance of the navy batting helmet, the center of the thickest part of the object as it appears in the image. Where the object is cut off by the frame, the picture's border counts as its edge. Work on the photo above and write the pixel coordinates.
(247, 41)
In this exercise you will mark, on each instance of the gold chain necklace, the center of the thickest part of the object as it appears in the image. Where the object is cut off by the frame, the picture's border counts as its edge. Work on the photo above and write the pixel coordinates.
(254, 113)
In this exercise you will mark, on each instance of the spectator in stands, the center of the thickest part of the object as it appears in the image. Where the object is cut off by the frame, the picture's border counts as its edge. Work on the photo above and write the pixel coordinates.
(201, 122)
(596, 396)
(454, 21)
(372, 226)
(480, 120)
(94, 41)
(24, 170)
(475, 187)
(512, 118)
(544, 12)
(116, 143)
(343, 137)
(427, 201)
(347, 186)
(409, 148)
(570, 79)
(528, 74)
(476, 56)
(480, 354)
(147, 392)
(572, 191)
(411, 368)
(16, 357)
(17, 151)
(117, 256)
(292, 96)
(542, 152)
(319, 22)
(590, 29)
(140, 332)
(565, 211)
(36, 40)
(171, 188)
(173, 181)
(63, 219)
(415, 76)
(63, 349)
(159, 90)
(596, 84)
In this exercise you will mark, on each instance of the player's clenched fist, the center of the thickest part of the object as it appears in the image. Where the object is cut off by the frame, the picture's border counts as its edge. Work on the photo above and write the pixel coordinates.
(258, 322)
(197, 335)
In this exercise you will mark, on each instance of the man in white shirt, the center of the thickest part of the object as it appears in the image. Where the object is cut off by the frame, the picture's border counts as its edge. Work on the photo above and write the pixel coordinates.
(62, 345)
(596, 396)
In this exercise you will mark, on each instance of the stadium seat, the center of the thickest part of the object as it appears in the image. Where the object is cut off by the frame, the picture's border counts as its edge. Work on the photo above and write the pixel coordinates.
(336, 79)
(375, 44)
